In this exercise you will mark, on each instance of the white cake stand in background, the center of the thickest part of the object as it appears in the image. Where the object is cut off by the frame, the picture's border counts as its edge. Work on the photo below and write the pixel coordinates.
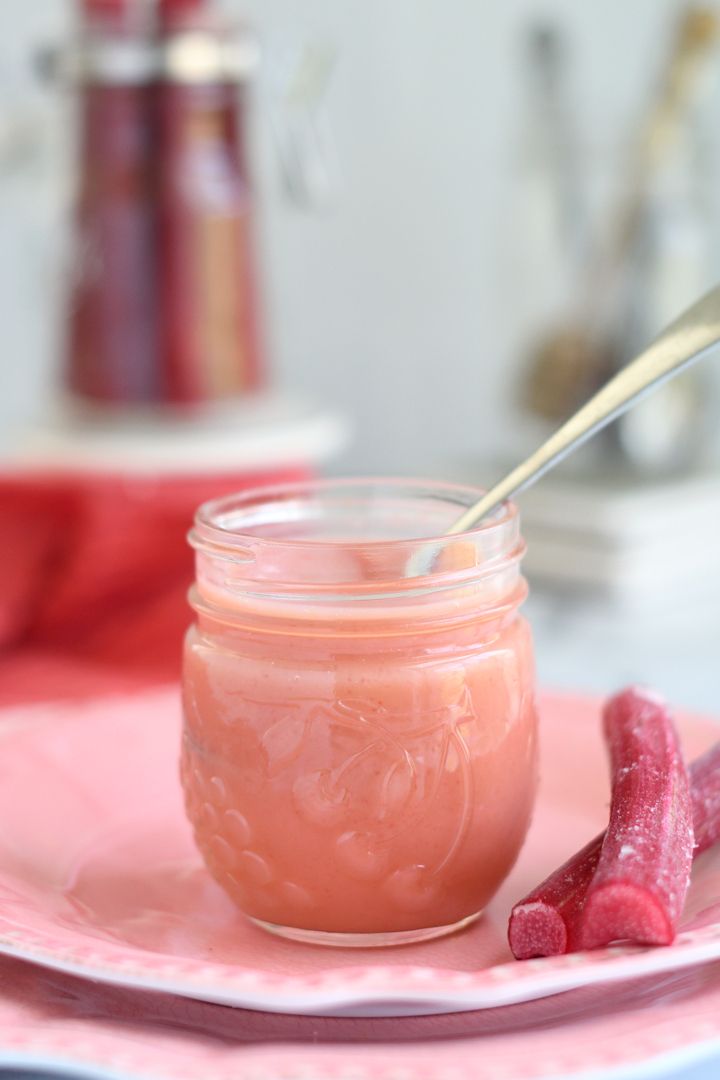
(257, 435)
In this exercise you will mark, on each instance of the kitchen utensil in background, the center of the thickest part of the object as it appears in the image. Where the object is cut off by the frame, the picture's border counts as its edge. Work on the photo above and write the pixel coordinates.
(670, 431)
(554, 128)
(571, 359)
(551, 218)
(648, 254)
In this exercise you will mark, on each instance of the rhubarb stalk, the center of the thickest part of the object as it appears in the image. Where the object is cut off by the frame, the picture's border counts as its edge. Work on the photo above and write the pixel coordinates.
(547, 922)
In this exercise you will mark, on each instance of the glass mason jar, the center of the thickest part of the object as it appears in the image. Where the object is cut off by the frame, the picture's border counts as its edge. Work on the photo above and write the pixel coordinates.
(359, 748)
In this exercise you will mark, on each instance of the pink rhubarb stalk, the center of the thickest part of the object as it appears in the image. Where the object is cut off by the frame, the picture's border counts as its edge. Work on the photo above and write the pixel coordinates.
(638, 890)
(548, 921)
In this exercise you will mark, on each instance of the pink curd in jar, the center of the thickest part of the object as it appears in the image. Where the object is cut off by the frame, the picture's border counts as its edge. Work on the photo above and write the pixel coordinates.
(359, 749)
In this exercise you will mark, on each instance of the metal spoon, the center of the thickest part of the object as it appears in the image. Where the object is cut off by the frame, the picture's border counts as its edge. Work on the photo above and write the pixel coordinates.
(695, 331)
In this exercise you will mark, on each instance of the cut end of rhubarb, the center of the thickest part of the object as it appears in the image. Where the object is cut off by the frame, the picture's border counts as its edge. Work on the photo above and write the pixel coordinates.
(619, 911)
(536, 929)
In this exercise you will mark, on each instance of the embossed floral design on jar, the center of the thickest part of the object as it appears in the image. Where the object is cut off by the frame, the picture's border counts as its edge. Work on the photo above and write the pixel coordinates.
(359, 749)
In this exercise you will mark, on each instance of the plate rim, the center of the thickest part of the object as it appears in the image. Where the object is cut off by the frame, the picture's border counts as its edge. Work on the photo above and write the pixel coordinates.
(340, 991)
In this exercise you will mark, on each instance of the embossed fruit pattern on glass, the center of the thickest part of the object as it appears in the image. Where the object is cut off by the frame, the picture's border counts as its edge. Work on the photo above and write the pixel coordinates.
(359, 753)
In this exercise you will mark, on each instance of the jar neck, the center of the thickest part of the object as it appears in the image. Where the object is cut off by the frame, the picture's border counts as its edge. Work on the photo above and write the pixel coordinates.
(287, 561)
(487, 597)
(350, 630)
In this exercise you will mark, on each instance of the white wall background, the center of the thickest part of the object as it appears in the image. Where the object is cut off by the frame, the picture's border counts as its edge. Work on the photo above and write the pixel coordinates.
(398, 302)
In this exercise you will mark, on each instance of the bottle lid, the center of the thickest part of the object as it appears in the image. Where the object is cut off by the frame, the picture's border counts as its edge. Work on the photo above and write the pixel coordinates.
(194, 48)
(134, 42)
(204, 56)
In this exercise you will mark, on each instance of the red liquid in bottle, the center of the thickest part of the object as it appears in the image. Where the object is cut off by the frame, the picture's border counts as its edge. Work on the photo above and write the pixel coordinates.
(164, 307)
(210, 340)
(113, 336)
(209, 328)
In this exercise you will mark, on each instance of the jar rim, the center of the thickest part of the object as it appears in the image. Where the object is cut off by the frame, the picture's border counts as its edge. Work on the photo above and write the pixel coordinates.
(215, 522)
(351, 544)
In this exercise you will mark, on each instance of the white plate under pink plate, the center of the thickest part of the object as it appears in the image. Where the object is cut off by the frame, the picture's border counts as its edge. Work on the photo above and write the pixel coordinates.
(99, 877)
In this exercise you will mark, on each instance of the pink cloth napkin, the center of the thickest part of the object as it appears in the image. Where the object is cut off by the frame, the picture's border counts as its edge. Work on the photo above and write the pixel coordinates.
(94, 572)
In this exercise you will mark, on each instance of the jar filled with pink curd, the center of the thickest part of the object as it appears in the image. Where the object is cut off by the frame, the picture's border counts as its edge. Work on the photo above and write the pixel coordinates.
(359, 745)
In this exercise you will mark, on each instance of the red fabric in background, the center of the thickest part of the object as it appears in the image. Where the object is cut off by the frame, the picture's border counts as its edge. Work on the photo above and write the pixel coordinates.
(94, 572)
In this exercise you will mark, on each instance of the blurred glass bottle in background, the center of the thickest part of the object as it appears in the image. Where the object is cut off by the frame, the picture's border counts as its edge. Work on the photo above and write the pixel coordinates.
(552, 228)
(163, 307)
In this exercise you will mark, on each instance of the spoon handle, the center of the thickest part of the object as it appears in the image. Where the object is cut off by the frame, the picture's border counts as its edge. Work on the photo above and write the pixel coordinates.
(696, 330)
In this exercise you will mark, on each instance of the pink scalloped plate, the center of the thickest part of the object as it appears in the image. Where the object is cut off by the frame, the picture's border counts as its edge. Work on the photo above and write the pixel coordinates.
(99, 877)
